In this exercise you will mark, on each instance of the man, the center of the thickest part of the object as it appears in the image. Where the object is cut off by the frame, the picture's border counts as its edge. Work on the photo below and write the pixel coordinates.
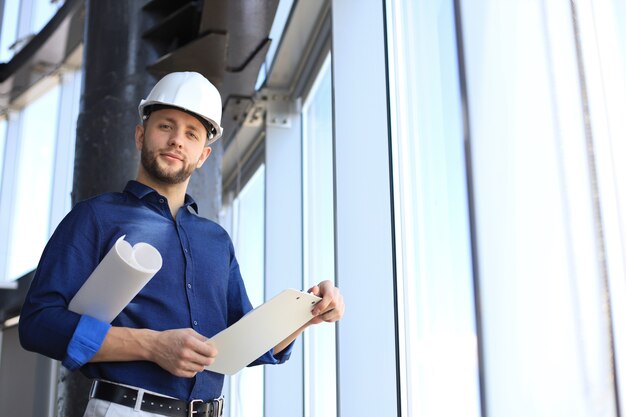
(151, 358)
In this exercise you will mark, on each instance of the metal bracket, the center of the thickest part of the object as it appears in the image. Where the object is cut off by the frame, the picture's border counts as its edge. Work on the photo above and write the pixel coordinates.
(281, 108)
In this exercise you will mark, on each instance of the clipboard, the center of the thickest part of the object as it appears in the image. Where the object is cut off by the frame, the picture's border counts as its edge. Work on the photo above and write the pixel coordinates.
(260, 330)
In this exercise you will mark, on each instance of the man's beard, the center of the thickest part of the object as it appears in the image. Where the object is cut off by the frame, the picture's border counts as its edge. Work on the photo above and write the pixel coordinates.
(151, 165)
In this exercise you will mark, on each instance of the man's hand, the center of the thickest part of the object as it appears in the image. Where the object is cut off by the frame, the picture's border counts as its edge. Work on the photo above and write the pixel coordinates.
(329, 309)
(331, 306)
(182, 352)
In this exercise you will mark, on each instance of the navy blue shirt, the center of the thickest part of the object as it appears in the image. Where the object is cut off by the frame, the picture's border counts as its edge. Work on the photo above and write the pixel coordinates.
(199, 286)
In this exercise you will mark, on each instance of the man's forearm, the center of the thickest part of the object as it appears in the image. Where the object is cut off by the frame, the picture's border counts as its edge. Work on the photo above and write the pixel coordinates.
(182, 352)
(123, 344)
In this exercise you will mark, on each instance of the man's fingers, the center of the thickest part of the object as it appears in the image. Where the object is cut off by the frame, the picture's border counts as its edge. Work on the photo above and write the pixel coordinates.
(329, 301)
(199, 344)
(201, 354)
(330, 307)
(195, 361)
(184, 352)
(315, 290)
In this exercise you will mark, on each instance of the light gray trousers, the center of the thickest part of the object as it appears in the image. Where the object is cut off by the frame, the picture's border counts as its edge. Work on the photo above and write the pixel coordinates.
(101, 408)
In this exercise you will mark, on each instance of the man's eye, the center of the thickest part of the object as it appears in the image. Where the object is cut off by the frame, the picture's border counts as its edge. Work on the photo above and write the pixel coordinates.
(165, 126)
(193, 136)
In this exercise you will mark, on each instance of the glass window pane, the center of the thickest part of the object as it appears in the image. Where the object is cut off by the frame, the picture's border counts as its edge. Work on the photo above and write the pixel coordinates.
(437, 323)
(319, 248)
(276, 33)
(543, 298)
(3, 138)
(33, 190)
(43, 10)
(246, 387)
(8, 33)
(619, 14)
(603, 30)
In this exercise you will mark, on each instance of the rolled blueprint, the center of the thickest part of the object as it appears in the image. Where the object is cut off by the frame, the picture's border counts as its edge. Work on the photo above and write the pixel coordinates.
(117, 279)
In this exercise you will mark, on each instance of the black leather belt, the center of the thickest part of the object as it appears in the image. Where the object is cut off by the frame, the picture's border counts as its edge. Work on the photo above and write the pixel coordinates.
(155, 403)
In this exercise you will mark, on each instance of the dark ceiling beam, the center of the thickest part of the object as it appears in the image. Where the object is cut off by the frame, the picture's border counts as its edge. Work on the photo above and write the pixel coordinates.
(229, 46)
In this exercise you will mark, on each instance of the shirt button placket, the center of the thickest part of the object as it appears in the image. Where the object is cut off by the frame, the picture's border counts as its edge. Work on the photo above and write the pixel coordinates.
(184, 242)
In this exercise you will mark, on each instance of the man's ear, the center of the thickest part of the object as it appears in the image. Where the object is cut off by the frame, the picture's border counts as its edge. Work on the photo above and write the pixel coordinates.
(204, 156)
(139, 135)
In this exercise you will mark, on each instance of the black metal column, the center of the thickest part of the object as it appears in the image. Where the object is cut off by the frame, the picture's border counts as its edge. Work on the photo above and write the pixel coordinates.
(115, 79)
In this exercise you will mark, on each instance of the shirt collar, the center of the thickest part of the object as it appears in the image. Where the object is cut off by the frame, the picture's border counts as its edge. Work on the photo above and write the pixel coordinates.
(140, 191)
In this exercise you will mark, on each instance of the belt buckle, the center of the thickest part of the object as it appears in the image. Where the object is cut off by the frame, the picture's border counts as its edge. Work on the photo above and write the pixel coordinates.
(213, 408)
(191, 410)
(220, 406)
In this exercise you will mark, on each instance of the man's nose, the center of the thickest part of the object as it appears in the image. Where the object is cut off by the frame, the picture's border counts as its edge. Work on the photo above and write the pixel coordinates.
(176, 137)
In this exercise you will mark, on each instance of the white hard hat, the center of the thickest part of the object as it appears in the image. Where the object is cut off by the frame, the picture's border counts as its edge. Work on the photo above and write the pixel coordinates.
(190, 92)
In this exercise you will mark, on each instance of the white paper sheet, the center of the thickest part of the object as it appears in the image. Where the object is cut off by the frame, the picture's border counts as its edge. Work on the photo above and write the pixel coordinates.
(123, 272)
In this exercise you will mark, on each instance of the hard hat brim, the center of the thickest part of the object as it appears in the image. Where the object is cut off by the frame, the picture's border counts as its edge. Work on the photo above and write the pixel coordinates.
(217, 128)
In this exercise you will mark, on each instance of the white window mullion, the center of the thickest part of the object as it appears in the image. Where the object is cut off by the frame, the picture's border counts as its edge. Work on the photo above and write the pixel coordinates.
(283, 240)
(65, 147)
(7, 192)
(246, 387)
(318, 241)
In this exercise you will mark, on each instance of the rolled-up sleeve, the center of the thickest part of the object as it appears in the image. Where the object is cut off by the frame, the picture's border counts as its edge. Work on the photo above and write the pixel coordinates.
(85, 342)
(275, 359)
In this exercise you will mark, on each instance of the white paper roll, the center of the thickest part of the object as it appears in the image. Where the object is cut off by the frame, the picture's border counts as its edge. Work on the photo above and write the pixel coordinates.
(123, 272)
